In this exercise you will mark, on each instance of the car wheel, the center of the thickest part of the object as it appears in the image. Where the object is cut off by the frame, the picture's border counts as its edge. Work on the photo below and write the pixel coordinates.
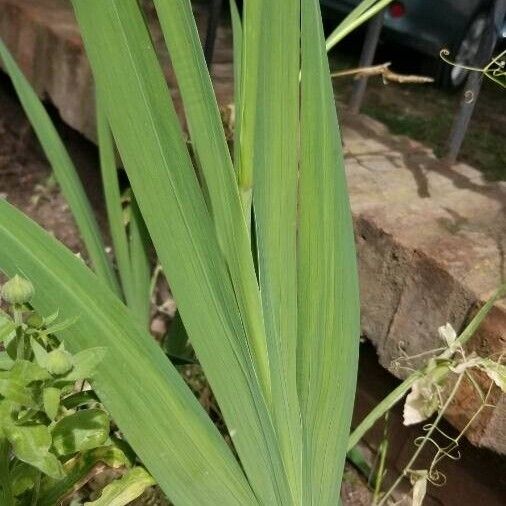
(464, 53)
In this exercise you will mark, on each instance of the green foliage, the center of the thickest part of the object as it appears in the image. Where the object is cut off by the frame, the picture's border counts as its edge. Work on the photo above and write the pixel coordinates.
(359, 15)
(128, 232)
(271, 313)
(130, 239)
(124, 490)
(83, 430)
(278, 346)
(44, 436)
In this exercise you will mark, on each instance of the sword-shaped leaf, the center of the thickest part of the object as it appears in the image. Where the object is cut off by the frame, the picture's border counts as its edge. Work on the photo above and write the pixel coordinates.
(328, 309)
(210, 146)
(275, 160)
(237, 48)
(150, 142)
(112, 197)
(145, 395)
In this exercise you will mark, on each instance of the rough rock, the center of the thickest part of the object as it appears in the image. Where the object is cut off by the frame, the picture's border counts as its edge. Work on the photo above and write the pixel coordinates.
(45, 41)
(431, 242)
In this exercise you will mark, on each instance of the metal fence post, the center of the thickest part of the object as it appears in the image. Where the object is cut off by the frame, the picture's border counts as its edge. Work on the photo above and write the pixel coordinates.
(212, 27)
(474, 80)
(366, 59)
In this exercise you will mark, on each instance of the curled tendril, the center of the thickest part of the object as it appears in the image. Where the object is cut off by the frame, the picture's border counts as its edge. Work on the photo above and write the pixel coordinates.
(450, 451)
(427, 427)
(399, 362)
(436, 478)
(420, 440)
(444, 53)
(396, 367)
(468, 97)
(494, 70)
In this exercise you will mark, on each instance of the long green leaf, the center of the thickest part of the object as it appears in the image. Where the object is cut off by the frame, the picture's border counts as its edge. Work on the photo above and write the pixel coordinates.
(140, 268)
(276, 142)
(130, 249)
(112, 195)
(149, 139)
(359, 15)
(354, 14)
(328, 308)
(237, 50)
(155, 410)
(209, 142)
(246, 114)
(63, 168)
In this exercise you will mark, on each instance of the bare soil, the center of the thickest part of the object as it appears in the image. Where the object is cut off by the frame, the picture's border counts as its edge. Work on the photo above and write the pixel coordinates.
(425, 112)
(24, 175)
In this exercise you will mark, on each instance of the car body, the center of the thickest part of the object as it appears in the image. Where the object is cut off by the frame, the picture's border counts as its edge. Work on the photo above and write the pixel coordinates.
(426, 25)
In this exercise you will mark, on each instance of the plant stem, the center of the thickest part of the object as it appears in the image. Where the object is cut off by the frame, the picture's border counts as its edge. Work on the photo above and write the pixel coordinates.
(427, 436)
(468, 424)
(386, 404)
(7, 499)
(342, 31)
(154, 279)
(383, 450)
(36, 490)
(18, 315)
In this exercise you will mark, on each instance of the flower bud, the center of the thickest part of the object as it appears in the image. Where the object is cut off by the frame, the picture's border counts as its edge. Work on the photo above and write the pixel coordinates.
(59, 362)
(35, 321)
(17, 290)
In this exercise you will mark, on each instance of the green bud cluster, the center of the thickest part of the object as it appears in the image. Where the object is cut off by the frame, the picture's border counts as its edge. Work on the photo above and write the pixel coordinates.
(17, 290)
(59, 362)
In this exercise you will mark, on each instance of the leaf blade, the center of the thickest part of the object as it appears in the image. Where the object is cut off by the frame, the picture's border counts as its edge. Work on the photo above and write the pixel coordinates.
(112, 197)
(83, 430)
(208, 138)
(237, 50)
(328, 306)
(276, 139)
(139, 300)
(191, 445)
(124, 490)
(149, 139)
(63, 168)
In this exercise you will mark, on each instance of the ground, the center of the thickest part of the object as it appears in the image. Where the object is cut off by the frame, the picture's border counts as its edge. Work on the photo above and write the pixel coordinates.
(425, 112)
(25, 176)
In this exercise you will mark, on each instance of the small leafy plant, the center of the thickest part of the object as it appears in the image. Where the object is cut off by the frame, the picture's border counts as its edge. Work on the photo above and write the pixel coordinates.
(53, 429)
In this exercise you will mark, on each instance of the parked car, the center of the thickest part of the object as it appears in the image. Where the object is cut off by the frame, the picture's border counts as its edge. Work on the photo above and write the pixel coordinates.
(431, 25)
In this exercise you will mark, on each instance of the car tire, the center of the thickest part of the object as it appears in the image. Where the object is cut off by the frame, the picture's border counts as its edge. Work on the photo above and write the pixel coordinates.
(463, 52)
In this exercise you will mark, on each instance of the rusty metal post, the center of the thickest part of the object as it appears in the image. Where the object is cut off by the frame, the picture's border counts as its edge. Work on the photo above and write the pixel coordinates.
(366, 59)
(212, 27)
(474, 80)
